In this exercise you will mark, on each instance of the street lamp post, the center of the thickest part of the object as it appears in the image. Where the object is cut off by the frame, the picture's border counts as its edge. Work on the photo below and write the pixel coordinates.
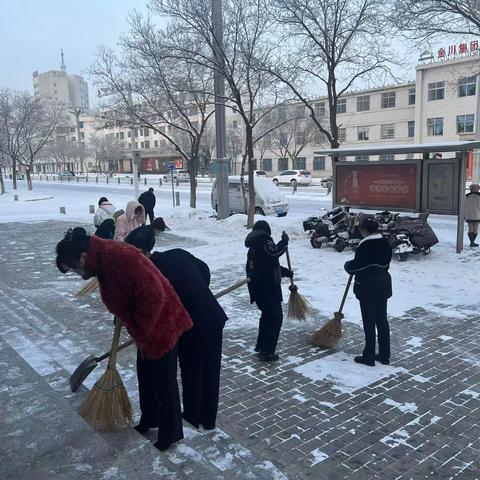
(135, 153)
(223, 207)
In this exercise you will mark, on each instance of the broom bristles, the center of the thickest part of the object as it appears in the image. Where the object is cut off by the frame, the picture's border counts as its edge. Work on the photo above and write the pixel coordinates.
(107, 405)
(297, 306)
(329, 335)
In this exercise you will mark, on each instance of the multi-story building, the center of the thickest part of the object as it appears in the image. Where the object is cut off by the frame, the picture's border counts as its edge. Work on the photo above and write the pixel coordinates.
(439, 106)
(60, 87)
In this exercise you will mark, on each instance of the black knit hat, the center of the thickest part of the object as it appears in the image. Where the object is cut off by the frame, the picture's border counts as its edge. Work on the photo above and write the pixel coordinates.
(102, 199)
(142, 237)
(262, 225)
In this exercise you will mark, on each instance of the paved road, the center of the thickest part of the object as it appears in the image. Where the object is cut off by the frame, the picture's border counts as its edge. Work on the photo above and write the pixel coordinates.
(420, 418)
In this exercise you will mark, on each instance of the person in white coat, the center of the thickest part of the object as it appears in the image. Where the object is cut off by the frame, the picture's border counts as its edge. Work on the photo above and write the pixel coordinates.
(472, 213)
(104, 220)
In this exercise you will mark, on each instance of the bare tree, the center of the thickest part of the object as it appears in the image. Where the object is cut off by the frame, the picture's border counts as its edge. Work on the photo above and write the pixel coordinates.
(235, 144)
(427, 20)
(105, 151)
(40, 121)
(172, 96)
(11, 123)
(26, 126)
(251, 91)
(334, 43)
(62, 153)
(4, 163)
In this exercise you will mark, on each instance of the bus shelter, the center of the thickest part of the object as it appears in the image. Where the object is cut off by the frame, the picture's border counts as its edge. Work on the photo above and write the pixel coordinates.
(432, 179)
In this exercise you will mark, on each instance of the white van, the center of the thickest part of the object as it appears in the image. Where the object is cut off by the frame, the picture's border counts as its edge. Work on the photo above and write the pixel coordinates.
(269, 200)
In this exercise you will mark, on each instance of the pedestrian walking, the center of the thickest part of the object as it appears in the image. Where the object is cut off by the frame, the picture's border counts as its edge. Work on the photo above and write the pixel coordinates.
(103, 219)
(148, 200)
(373, 288)
(265, 274)
(133, 217)
(146, 303)
(200, 348)
(472, 213)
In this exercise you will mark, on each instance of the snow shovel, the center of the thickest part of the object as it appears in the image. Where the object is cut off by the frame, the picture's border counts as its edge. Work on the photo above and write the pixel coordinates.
(88, 365)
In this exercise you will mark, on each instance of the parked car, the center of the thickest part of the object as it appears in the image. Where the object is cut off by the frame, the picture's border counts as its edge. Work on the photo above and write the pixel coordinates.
(269, 200)
(20, 176)
(179, 173)
(66, 175)
(259, 173)
(293, 177)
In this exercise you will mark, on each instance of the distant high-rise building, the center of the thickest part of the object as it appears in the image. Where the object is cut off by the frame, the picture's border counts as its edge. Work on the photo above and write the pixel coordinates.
(58, 86)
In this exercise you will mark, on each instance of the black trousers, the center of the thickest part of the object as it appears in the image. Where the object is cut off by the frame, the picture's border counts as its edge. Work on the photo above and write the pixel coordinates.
(200, 356)
(150, 215)
(159, 397)
(106, 230)
(374, 315)
(270, 324)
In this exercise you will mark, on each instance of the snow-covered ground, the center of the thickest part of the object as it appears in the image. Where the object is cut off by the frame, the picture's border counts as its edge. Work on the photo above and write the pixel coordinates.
(442, 281)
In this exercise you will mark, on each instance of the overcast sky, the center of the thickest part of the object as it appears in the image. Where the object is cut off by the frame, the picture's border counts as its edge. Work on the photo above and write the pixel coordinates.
(32, 32)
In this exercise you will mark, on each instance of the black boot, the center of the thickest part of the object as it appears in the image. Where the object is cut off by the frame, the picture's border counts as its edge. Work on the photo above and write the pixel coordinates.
(473, 244)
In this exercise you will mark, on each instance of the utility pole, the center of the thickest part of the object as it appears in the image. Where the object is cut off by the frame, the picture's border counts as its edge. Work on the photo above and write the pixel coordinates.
(135, 153)
(223, 209)
(476, 153)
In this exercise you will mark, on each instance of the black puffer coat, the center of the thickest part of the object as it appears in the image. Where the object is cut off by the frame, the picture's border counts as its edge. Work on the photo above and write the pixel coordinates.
(263, 267)
(148, 200)
(370, 267)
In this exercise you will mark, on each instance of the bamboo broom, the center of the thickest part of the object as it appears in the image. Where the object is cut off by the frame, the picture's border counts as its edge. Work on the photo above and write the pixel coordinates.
(107, 405)
(297, 305)
(329, 335)
(91, 286)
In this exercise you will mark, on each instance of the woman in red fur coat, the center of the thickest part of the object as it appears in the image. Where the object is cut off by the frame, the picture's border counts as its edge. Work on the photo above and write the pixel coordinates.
(136, 292)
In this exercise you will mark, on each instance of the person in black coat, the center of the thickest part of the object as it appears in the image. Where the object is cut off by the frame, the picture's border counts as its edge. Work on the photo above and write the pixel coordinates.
(147, 200)
(199, 349)
(265, 274)
(373, 288)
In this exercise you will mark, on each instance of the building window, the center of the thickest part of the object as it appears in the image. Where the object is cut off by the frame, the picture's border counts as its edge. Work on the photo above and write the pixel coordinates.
(320, 109)
(435, 127)
(142, 144)
(411, 129)
(411, 96)
(319, 163)
(342, 135)
(387, 131)
(300, 138)
(122, 135)
(235, 124)
(282, 164)
(147, 144)
(155, 143)
(342, 105)
(465, 123)
(129, 134)
(80, 124)
(283, 138)
(73, 139)
(72, 129)
(300, 163)
(436, 91)
(388, 99)
(363, 103)
(362, 133)
(389, 157)
(467, 87)
(82, 135)
(300, 111)
(146, 132)
(362, 158)
(267, 164)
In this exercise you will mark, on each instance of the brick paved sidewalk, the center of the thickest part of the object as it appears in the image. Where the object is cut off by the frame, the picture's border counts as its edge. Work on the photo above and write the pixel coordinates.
(298, 418)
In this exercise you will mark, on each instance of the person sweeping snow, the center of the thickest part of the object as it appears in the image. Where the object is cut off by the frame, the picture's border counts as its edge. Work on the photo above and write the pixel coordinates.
(265, 274)
(146, 303)
(200, 348)
(373, 288)
(103, 219)
(133, 217)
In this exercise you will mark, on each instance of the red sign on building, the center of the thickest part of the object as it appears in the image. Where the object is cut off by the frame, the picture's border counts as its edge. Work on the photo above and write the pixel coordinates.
(388, 186)
(178, 163)
(469, 165)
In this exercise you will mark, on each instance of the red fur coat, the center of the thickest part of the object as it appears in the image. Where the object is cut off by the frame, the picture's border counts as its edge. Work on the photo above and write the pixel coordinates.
(135, 291)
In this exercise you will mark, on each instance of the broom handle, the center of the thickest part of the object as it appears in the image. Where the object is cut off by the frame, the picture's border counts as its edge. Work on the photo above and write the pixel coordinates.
(289, 263)
(126, 344)
(116, 339)
(345, 293)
